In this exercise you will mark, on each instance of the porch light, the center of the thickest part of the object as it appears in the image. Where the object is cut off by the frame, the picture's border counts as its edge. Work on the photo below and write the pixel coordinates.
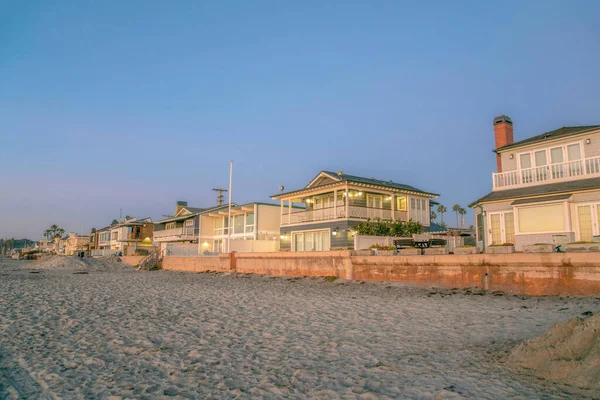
(335, 231)
(205, 244)
(360, 193)
(283, 235)
(511, 156)
(588, 141)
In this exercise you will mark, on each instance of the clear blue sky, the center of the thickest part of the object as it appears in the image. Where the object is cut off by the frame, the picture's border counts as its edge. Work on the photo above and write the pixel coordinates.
(134, 105)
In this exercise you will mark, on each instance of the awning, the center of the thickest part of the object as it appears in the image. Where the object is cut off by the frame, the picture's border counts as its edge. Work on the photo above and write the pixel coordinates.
(541, 199)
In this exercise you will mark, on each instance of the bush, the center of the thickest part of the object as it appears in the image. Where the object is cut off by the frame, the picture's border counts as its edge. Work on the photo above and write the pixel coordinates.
(377, 246)
(380, 227)
(330, 278)
(500, 245)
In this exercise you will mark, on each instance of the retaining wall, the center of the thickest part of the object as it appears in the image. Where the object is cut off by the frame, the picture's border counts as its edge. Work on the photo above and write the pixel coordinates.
(533, 274)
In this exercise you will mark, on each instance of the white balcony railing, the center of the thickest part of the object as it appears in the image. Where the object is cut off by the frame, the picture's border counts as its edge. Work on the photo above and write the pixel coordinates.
(331, 213)
(578, 169)
(174, 234)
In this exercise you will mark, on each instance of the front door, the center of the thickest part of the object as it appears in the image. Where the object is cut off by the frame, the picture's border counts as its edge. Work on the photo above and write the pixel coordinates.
(588, 217)
(502, 228)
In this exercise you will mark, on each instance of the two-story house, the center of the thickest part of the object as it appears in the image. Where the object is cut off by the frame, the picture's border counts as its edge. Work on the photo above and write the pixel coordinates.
(252, 221)
(546, 190)
(333, 203)
(209, 227)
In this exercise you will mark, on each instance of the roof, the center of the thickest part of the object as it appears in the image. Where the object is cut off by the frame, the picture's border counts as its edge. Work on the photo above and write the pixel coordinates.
(540, 199)
(340, 177)
(565, 131)
(539, 190)
(433, 227)
(187, 216)
(194, 210)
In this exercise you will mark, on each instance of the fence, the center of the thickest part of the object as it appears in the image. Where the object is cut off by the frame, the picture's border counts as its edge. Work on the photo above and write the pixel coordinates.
(103, 252)
(362, 242)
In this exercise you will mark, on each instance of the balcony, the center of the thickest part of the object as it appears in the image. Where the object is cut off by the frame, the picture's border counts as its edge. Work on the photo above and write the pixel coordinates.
(578, 169)
(333, 213)
(174, 235)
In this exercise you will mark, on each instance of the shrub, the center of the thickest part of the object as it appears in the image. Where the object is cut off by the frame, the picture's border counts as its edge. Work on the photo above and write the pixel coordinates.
(380, 227)
(330, 278)
(377, 246)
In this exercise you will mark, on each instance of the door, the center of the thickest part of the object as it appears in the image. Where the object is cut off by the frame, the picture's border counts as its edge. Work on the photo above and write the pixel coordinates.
(502, 228)
(588, 217)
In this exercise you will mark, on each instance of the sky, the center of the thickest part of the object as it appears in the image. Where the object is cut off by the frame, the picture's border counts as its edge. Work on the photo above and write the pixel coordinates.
(112, 106)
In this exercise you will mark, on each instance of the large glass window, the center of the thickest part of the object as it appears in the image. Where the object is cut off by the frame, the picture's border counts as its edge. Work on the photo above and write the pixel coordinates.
(238, 224)
(544, 218)
(249, 222)
(311, 241)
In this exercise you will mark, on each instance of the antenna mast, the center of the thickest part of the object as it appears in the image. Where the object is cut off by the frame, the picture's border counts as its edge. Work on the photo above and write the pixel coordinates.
(220, 195)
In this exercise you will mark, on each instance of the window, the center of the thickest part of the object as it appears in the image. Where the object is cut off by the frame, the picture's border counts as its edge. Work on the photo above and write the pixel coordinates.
(170, 225)
(249, 222)
(311, 241)
(374, 201)
(401, 203)
(238, 224)
(423, 204)
(115, 235)
(189, 222)
(543, 218)
(412, 204)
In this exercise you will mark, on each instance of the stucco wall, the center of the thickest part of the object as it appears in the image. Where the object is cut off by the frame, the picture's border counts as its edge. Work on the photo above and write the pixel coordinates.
(533, 274)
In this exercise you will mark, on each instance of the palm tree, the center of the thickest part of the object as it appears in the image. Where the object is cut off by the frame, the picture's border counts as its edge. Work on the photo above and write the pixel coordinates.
(462, 212)
(433, 215)
(456, 209)
(442, 209)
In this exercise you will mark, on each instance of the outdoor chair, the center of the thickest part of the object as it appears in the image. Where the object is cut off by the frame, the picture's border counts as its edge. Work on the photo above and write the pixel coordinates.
(403, 243)
(437, 243)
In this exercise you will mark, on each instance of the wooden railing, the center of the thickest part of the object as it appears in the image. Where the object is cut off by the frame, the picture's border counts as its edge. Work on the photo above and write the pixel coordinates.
(578, 169)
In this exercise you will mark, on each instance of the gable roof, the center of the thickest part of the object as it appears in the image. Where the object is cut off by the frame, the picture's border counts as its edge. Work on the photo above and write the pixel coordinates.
(563, 132)
(539, 190)
(197, 211)
(338, 177)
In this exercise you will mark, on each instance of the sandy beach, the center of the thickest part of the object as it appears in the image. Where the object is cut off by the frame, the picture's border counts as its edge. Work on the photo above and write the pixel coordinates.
(128, 334)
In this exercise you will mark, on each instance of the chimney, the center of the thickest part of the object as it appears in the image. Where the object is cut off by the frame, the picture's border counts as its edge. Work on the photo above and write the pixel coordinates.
(503, 133)
(180, 205)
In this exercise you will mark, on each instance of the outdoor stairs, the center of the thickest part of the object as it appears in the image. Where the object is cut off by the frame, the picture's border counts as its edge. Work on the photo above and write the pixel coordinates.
(150, 262)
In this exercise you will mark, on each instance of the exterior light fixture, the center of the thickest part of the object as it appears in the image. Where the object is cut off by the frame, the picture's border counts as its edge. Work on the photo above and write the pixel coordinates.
(283, 235)
(360, 193)
(205, 244)
(588, 141)
(511, 156)
(335, 231)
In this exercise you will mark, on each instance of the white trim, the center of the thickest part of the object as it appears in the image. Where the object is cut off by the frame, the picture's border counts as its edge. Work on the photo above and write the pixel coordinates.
(322, 174)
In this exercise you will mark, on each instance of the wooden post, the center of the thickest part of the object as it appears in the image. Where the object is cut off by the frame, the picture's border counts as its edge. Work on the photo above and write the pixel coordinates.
(392, 198)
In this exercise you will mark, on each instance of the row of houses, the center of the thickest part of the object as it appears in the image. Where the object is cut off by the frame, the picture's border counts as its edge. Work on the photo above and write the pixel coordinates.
(546, 190)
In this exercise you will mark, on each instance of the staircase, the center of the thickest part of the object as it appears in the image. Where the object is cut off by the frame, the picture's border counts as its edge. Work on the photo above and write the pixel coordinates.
(150, 262)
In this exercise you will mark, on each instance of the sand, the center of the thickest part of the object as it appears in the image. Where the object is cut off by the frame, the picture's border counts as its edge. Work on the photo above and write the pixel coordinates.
(108, 263)
(569, 353)
(185, 335)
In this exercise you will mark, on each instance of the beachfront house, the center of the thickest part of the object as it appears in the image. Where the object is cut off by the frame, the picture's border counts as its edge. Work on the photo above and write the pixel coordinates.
(322, 215)
(73, 244)
(127, 236)
(209, 227)
(181, 228)
(546, 188)
(254, 228)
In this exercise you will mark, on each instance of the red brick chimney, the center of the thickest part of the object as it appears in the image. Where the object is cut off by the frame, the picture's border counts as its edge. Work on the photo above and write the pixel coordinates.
(503, 133)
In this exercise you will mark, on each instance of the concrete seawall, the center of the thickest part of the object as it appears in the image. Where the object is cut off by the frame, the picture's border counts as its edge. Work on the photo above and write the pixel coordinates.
(532, 274)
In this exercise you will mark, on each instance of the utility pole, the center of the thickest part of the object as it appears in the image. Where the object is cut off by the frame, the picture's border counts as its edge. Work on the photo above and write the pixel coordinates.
(220, 195)
(229, 213)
